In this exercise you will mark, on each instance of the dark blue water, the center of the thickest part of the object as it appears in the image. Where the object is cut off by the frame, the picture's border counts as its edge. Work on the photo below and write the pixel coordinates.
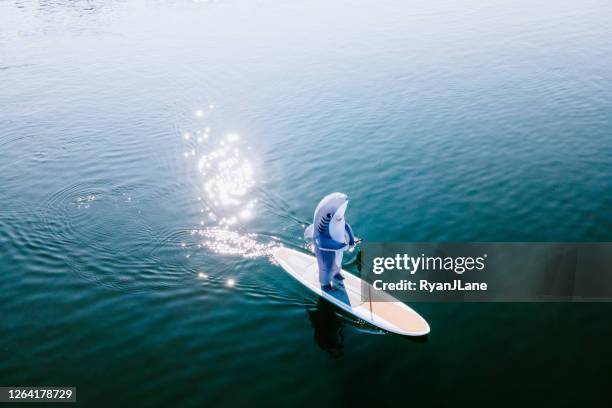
(152, 153)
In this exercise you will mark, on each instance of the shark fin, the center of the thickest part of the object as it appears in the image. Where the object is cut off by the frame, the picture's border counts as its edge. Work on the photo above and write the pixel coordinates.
(309, 232)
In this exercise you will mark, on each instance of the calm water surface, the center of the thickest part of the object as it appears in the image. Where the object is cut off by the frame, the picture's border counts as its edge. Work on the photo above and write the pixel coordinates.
(152, 153)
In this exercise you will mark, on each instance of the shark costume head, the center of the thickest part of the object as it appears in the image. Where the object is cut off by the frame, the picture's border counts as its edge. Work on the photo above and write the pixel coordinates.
(331, 235)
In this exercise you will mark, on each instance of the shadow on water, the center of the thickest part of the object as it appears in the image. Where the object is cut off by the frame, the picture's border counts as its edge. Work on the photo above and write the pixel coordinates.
(328, 322)
(328, 328)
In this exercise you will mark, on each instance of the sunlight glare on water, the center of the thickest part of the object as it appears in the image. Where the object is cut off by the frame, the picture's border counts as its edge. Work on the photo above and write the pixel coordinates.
(226, 242)
(227, 179)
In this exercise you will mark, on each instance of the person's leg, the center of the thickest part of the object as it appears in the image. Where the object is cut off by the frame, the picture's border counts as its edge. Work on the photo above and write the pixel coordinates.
(326, 263)
(338, 266)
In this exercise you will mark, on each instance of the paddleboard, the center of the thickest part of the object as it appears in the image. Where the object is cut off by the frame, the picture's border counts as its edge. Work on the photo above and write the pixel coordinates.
(391, 314)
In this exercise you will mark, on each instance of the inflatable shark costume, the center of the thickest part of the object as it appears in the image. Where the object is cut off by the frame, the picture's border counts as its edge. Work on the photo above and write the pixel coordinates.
(331, 235)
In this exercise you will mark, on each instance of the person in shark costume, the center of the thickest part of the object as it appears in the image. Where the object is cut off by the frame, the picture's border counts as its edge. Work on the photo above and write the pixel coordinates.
(331, 235)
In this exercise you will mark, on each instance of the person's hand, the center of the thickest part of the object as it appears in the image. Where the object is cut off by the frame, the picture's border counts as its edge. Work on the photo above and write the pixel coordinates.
(355, 242)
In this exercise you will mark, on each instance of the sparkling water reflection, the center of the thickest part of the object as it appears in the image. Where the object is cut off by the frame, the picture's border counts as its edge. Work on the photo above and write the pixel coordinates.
(226, 193)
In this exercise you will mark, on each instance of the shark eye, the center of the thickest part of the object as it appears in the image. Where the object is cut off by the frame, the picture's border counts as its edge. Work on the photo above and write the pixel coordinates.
(328, 215)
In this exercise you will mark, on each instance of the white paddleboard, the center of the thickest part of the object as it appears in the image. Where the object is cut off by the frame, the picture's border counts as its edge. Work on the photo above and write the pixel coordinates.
(391, 315)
